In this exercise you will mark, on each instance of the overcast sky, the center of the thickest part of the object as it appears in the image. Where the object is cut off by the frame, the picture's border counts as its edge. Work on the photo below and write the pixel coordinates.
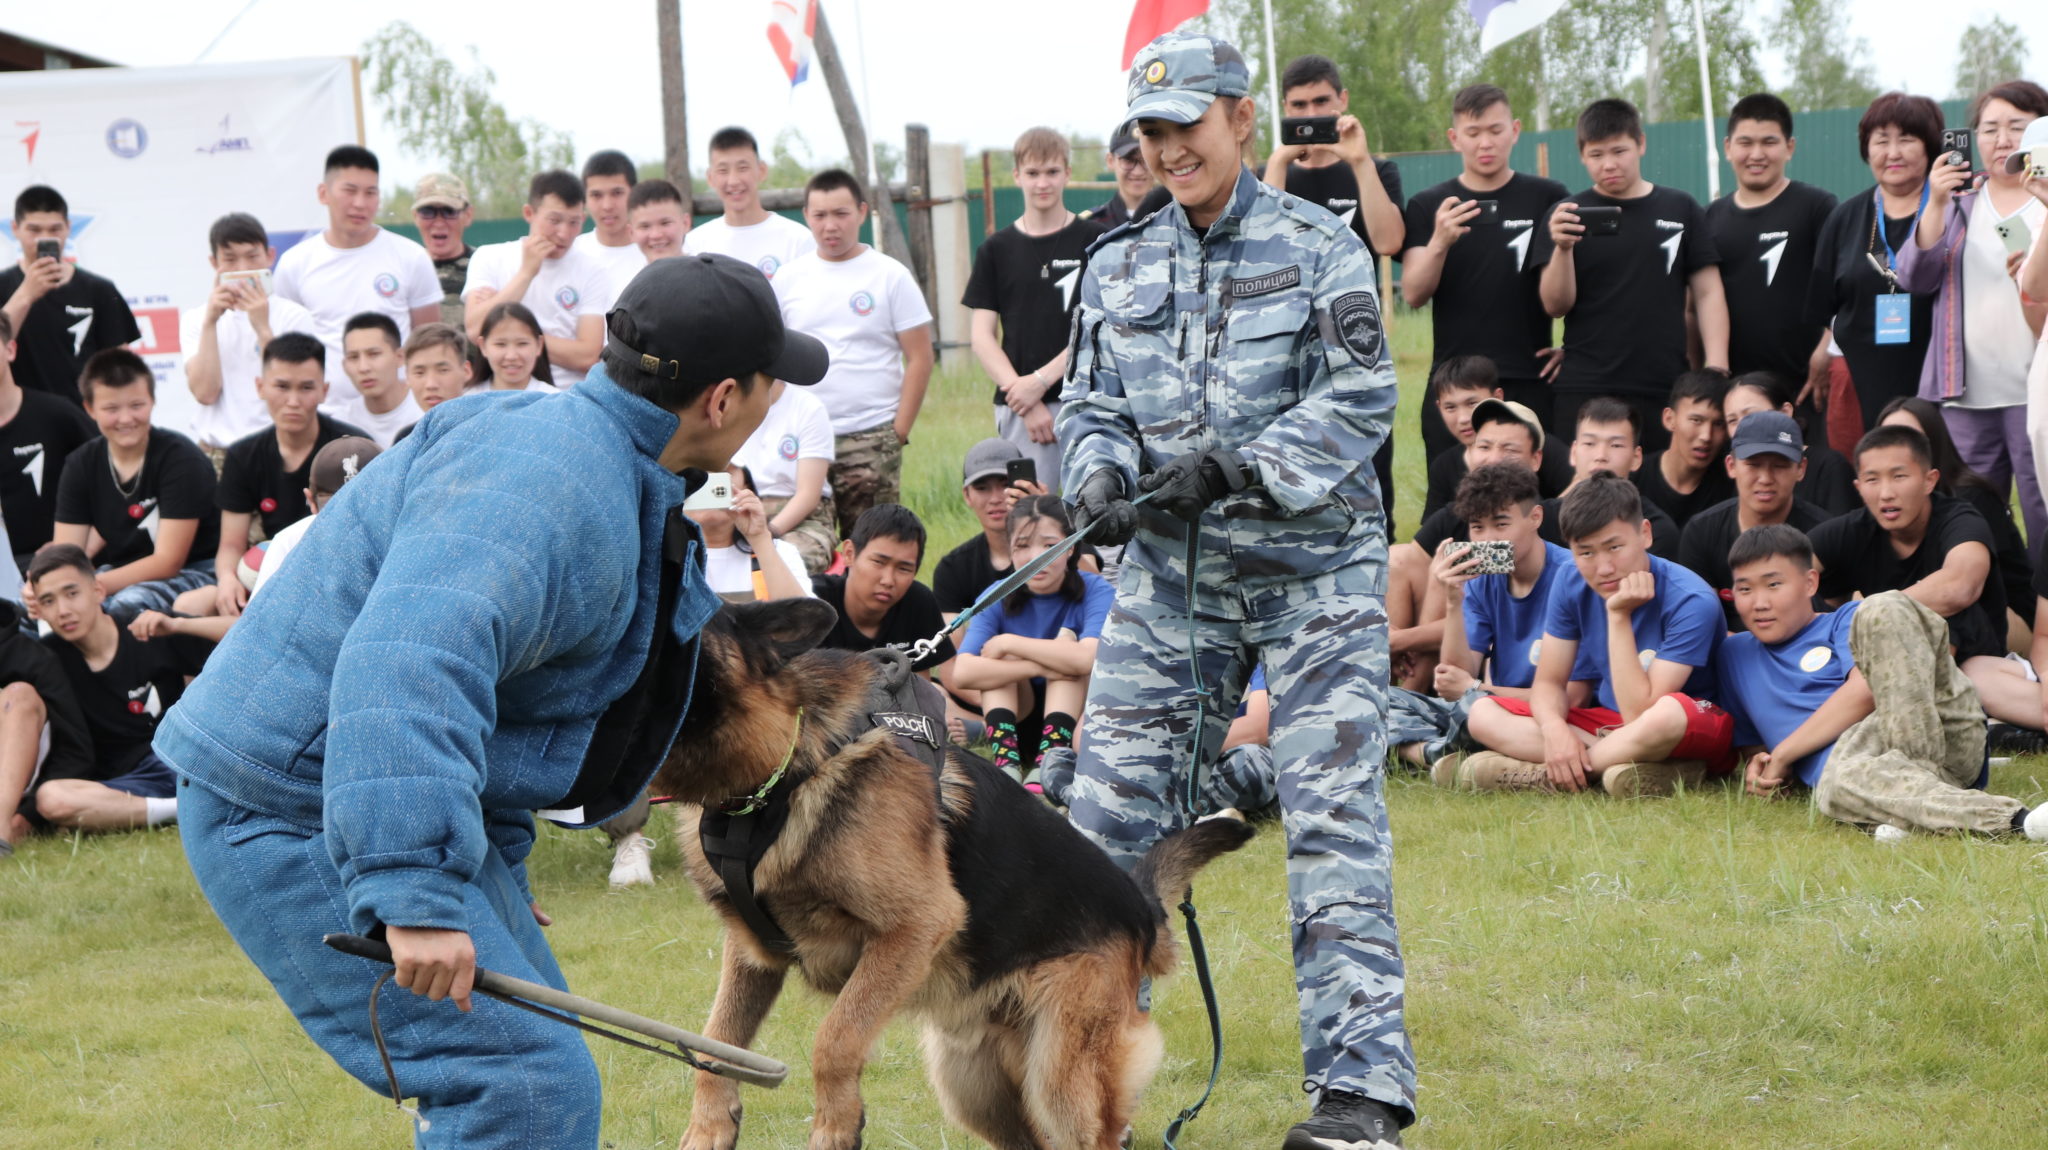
(977, 73)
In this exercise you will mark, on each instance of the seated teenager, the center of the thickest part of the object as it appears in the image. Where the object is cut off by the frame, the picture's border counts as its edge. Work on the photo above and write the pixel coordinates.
(1457, 386)
(978, 564)
(1031, 656)
(879, 600)
(1620, 695)
(333, 466)
(743, 560)
(1863, 703)
(42, 732)
(1503, 432)
(2009, 551)
(123, 684)
(1766, 459)
(515, 351)
(789, 456)
(266, 475)
(384, 406)
(1936, 548)
(1688, 477)
(139, 500)
(1608, 436)
(437, 366)
(1830, 482)
(1493, 624)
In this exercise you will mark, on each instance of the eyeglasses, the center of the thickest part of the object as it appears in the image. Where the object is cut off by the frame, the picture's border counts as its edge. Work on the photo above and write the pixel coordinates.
(437, 212)
(1134, 160)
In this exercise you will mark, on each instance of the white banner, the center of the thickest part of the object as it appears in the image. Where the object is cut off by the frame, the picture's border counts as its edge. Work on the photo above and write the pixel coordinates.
(148, 158)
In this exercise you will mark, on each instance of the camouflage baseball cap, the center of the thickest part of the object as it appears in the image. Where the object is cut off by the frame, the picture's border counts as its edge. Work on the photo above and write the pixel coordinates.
(1177, 76)
(439, 189)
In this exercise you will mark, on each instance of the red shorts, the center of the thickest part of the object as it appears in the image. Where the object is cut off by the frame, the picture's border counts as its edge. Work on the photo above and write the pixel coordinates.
(1709, 730)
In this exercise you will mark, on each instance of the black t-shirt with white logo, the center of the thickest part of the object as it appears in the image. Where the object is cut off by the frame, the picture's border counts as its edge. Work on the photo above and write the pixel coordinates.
(123, 701)
(253, 480)
(1626, 333)
(176, 482)
(1766, 271)
(33, 448)
(65, 328)
(1032, 283)
(1486, 300)
(1703, 547)
(1856, 555)
(1335, 187)
(914, 617)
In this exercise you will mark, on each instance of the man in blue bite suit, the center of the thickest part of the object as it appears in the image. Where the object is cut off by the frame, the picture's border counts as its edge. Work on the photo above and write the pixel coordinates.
(498, 615)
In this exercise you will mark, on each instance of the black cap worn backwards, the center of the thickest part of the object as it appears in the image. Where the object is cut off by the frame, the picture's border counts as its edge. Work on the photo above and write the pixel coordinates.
(706, 318)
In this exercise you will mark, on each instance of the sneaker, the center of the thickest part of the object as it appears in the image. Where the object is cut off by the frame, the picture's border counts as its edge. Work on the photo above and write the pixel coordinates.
(1056, 774)
(1493, 771)
(2006, 739)
(1346, 1121)
(1444, 772)
(2036, 825)
(1652, 780)
(633, 861)
(1889, 835)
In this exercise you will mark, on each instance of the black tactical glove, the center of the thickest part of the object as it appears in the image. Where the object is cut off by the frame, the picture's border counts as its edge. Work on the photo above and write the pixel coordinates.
(1102, 509)
(1188, 484)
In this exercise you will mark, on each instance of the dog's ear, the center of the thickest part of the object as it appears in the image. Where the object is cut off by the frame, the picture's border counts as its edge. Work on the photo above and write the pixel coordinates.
(779, 630)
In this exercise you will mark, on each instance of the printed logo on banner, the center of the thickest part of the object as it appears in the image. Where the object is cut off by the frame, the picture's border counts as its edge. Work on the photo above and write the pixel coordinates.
(567, 297)
(127, 138)
(788, 447)
(35, 132)
(226, 140)
(386, 284)
(159, 327)
(862, 303)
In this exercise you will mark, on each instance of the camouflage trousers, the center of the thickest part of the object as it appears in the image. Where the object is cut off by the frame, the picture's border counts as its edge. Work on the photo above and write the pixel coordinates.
(1914, 761)
(1437, 723)
(815, 537)
(867, 468)
(1323, 644)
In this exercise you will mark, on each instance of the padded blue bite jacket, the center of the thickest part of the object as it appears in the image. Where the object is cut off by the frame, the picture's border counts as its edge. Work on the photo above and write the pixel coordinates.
(429, 667)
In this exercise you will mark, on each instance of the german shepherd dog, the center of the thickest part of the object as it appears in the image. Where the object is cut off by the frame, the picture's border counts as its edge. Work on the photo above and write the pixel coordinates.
(963, 899)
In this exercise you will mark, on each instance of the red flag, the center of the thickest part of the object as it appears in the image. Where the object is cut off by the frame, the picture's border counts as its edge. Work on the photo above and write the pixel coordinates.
(1151, 19)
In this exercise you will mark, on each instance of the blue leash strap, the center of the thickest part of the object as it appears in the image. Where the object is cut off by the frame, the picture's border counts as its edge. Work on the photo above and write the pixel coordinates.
(1196, 949)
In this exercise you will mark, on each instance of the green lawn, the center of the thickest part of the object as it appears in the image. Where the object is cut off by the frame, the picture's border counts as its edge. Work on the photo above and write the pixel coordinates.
(1702, 972)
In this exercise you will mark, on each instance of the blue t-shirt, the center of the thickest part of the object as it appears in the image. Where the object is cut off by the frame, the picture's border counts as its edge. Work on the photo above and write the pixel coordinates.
(1683, 624)
(1508, 630)
(1771, 689)
(1044, 616)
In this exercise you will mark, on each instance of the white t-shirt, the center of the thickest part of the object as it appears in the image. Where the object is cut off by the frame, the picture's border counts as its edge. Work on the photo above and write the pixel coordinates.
(383, 428)
(730, 571)
(857, 307)
(1998, 346)
(620, 264)
(390, 274)
(537, 386)
(280, 545)
(796, 427)
(239, 411)
(564, 290)
(767, 245)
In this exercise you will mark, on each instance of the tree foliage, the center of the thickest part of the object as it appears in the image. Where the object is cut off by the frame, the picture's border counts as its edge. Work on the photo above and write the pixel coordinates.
(1830, 68)
(449, 116)
(1989, 54)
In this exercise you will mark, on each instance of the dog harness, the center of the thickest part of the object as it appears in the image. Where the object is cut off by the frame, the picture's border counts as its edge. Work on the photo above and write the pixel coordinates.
(736, 834)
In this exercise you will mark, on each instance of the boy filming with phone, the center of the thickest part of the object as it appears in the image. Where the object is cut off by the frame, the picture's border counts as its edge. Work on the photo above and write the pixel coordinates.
(228, 332)
(61, 313)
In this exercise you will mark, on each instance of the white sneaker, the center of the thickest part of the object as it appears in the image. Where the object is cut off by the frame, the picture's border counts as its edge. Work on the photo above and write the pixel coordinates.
(1889, 835)
(632, 863)
(2036, 825)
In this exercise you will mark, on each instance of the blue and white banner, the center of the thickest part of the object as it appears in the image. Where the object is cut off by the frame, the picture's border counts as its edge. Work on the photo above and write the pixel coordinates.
(1502, 20)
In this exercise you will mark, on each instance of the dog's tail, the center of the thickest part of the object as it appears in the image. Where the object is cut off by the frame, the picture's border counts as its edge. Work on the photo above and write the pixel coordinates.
(1168, 869)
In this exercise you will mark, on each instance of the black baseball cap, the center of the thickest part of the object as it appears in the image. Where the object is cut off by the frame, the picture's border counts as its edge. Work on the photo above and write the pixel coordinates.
(1768, 432)
(705, 318)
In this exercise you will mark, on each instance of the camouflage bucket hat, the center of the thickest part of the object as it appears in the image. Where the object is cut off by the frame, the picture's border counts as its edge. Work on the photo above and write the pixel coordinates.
(1177, 76)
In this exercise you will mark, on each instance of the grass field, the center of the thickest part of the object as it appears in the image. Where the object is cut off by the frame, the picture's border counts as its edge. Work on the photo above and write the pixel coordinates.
(1707, 971)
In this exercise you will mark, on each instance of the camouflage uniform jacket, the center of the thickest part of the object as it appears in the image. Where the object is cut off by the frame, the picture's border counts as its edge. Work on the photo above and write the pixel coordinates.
(1262, 336)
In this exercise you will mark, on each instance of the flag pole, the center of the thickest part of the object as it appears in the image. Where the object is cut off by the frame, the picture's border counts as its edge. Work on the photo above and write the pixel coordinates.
(1699, 28)
(1272, 73)
(867, 114)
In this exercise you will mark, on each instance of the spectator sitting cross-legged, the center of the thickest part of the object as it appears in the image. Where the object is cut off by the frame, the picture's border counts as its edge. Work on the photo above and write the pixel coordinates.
(1620, 695)
(42, 732)
(789, 456)
(515, 351)
(139, 500)
(1031, 656)
(879, 600)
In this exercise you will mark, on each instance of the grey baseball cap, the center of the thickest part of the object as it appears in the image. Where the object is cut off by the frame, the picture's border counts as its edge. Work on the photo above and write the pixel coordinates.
(1177, 76)
(987, 458)
(1768, 431)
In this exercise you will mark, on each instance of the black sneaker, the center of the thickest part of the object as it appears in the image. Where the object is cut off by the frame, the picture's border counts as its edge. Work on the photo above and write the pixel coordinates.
(2006, 739)
(1346, 1121)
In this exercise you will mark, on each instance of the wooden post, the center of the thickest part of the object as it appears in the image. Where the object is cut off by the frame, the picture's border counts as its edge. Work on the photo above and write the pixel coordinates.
(1543, 158)
(675, 121)
(988, 197)
(917, 164)
(887, 229)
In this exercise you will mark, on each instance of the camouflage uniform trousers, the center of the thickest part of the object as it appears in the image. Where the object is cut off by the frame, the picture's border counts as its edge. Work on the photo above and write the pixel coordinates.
(1437, 723)
(1323, 643)
(815, 537)
(1914, 761)
(867, 468)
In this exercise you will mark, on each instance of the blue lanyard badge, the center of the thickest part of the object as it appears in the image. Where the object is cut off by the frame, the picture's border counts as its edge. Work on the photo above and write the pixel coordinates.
(1893, 319)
